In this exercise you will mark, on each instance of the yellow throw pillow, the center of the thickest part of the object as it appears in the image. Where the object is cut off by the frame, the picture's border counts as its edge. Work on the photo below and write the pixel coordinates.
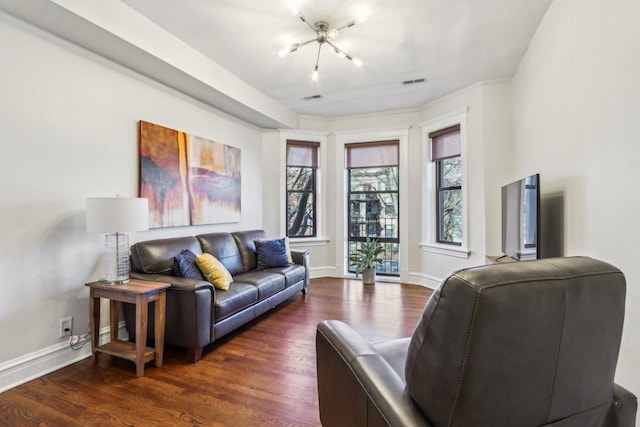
(214, 271)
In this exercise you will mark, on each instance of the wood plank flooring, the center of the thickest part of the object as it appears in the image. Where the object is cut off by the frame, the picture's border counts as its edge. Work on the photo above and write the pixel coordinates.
(263, 374)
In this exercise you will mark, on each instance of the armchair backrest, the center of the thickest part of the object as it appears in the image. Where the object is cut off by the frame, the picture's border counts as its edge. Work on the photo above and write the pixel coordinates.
(520, 344)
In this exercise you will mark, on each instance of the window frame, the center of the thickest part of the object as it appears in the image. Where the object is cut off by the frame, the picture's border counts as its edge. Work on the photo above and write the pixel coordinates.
(320, 181)
(343, 138)
(430, 219)
(313, 193)
(383, 240)
(315, 145)
(441, 189)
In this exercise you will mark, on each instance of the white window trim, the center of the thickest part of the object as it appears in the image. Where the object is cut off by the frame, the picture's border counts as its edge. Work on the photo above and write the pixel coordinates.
(364, 136)
(321, 197)
(429, 238)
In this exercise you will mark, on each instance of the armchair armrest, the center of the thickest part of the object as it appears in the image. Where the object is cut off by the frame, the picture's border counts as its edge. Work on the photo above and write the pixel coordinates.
(622, 412)
(356, 385)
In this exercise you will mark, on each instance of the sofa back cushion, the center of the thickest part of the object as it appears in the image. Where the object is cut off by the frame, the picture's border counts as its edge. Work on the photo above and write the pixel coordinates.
(524, 343)
(247, 247)
(156, 256)
(224, 248)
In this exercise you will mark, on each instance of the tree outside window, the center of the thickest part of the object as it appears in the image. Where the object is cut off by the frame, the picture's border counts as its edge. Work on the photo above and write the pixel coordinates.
(449, 200)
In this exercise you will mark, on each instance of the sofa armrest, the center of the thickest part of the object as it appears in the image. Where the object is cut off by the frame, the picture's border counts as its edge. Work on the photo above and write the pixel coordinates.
(622, 412)
(301, 257)
(356, 385)
(176, 282)
(190, 311)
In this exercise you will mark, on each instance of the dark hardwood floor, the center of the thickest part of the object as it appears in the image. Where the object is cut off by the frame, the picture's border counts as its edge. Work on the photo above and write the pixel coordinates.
(262, 374)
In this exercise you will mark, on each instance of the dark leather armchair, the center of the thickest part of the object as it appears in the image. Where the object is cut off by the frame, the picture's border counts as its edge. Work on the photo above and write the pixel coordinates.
(522, 344)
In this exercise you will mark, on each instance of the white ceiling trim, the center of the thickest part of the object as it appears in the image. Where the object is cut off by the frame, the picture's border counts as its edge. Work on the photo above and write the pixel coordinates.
(113, 30)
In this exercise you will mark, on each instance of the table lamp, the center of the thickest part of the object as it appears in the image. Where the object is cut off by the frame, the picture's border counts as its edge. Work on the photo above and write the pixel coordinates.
(116, 216)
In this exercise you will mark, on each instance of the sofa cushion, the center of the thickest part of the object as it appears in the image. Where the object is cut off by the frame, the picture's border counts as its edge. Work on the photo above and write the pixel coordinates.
(293, 273)
(237, 298)
(266, 283)
(214, 271)
(223, 247)
(156, 256)
(245, 243)
(184, 265)
(271, 253)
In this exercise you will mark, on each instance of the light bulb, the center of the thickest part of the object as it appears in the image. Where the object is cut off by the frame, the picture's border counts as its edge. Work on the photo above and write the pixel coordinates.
(333, 34)
(284, 51)
(362, 14)
(357, 62)
(315, 76)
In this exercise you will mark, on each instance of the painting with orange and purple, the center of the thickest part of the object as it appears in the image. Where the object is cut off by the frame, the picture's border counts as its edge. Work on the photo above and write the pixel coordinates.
(188, 180)
(214, 181)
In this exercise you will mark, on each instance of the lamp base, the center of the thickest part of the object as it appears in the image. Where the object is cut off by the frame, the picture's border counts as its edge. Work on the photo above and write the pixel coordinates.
(116, 258)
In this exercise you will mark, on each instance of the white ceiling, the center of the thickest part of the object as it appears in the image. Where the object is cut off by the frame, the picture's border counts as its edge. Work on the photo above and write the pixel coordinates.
(450, 43)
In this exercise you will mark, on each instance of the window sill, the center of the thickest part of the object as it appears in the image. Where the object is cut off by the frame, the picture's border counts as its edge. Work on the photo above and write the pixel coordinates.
(450, 250)
(308, 241)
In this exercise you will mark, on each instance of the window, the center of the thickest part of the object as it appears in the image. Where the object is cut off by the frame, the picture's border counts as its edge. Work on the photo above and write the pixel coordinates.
(373, 199)
(445, 153)
(302, 165)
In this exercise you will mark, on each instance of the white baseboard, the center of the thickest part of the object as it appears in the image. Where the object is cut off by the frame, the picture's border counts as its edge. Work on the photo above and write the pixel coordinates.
(328, 271)
(34, 365)
(426, 280)
(414, 278)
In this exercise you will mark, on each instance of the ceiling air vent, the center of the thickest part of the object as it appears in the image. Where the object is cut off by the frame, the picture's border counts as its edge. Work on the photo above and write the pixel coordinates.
(310, 97)
(411, 82)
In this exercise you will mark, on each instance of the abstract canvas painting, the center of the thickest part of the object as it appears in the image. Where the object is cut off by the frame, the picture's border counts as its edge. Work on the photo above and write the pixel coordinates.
(188, 180)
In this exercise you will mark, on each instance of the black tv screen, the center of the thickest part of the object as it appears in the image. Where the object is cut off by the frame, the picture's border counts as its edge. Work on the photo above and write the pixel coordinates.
(521, 218)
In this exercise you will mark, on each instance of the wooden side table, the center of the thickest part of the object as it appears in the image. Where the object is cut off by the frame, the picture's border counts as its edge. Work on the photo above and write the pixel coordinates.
(140, 293)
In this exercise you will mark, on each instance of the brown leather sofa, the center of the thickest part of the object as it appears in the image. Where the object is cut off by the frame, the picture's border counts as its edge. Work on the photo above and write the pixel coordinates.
(197, 314)
(521, 344)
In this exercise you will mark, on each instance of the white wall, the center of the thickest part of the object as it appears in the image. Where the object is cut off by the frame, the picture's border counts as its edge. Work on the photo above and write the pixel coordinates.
(576, 106)
(69, 128)
(488, 168)
(487, 160)
(69, 131)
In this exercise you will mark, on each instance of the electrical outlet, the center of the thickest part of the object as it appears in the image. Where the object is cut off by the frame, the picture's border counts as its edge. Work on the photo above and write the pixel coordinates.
(66, 327)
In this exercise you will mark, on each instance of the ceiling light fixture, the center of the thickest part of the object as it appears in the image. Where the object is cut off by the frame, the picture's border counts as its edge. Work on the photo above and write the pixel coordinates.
(323, 35)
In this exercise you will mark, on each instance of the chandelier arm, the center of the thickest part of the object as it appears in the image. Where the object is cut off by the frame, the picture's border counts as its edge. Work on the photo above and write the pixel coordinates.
(318, 57)
(299, 45)
(303, 19)
(338, 50)
(347, 25)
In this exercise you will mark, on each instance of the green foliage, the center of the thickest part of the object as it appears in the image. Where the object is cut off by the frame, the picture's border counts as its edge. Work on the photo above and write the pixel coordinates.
(366, 256)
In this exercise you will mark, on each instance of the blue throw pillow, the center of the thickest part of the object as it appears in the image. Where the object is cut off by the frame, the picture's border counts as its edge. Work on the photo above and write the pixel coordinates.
(271, 253)
(184, 265)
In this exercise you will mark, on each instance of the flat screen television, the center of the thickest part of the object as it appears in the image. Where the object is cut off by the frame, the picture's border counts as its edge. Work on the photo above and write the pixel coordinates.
(521, 219)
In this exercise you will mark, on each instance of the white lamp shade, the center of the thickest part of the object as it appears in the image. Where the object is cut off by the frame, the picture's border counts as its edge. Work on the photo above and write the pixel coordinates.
(117, 214)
